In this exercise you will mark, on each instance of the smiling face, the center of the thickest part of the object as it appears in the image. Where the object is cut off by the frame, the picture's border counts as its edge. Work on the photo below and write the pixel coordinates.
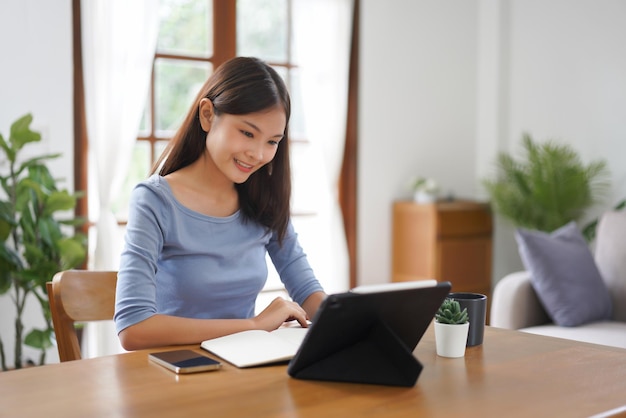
(239, 145)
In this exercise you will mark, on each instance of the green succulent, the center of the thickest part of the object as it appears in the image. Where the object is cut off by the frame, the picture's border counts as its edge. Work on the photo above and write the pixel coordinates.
(450, 313)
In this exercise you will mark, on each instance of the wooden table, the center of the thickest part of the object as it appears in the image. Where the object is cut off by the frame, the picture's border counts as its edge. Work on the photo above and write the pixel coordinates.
(511, 374)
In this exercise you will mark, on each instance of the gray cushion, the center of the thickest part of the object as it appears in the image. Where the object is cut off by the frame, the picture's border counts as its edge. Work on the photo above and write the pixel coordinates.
(564, 275)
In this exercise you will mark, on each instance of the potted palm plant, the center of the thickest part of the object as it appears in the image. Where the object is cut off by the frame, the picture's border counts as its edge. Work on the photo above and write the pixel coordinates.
(451, 329)
(35, 242)
(547, 188)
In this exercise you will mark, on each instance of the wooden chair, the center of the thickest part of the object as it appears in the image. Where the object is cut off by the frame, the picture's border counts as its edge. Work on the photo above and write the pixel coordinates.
(79, 296)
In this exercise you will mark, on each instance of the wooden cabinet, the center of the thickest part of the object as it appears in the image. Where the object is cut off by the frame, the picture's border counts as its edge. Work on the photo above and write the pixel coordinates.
(447, 241)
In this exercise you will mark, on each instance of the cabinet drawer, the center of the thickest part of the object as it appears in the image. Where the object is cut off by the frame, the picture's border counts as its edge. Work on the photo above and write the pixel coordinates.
(474, 220)
(465, 262)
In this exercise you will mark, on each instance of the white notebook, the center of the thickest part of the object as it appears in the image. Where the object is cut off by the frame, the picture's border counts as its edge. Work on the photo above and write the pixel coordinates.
(256, 347)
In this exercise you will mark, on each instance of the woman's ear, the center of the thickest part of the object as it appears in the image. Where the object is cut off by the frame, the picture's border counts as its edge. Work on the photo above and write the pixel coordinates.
(205, 113)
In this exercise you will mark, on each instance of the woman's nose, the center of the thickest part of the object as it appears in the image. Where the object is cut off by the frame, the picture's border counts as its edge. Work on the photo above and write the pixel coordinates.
(255, 151)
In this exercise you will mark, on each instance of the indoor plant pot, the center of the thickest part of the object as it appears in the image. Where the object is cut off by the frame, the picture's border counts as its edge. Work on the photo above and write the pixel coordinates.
(451, 329)
(425, 190)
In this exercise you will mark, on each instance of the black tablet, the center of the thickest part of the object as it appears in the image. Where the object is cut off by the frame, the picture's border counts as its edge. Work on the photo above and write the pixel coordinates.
(368, 335)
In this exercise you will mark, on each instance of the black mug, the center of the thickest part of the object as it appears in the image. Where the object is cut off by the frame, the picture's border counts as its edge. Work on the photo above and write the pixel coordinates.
(476, 305)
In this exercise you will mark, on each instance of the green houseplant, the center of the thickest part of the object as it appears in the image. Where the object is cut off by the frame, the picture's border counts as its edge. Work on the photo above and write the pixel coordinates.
(35, 243)
(425, 190)
(451, 329)
(450, 313)
(547, 188)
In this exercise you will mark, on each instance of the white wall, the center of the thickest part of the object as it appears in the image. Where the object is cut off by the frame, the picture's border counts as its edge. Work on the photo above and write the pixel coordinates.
(417, 112)
(568, 77)
(446, 84)
(36, 76)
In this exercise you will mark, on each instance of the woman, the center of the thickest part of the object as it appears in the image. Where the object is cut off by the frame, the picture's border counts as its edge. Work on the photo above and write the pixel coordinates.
(200, 227)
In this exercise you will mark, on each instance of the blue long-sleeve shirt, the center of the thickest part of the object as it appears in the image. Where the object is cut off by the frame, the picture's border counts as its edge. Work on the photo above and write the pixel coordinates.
(183, 263)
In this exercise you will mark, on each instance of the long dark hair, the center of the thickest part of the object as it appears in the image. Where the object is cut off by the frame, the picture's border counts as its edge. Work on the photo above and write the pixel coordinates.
(238, 87)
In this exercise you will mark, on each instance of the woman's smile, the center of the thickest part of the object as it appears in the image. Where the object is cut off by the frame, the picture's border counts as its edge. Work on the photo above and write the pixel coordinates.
(243, 166)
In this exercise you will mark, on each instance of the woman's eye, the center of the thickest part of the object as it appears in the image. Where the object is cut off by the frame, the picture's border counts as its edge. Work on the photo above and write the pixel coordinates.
(248, 134)
(274, 143)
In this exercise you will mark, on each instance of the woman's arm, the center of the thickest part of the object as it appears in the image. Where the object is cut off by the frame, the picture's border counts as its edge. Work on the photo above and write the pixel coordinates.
(295, 272)
(312, 303)
(162, 330)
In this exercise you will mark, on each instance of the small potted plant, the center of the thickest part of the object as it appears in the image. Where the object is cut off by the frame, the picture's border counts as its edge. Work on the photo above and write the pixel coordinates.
(425, 190)
(451, 329)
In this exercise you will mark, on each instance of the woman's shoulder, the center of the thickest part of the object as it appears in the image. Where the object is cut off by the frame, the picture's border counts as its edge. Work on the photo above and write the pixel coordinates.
(155, 183)
(152, 189)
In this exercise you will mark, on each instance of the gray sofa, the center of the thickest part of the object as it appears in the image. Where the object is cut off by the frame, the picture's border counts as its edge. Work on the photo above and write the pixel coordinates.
(515, 304)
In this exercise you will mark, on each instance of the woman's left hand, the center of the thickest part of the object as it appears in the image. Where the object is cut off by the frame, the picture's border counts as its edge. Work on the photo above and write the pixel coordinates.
(279, 312)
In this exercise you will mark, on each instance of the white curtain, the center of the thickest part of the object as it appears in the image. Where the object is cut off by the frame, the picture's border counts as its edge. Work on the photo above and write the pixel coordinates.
(322, 39)
(118, 44)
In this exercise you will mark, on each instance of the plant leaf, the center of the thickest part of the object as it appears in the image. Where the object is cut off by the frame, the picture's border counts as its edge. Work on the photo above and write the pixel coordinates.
(71, 251)
(9, 152)
(58, 200)
(39, 338)
(7, 223)
(24, 190)
(36, 161)
(21, 133)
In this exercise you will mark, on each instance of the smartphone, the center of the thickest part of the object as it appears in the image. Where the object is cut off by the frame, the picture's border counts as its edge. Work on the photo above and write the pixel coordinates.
(184, 361)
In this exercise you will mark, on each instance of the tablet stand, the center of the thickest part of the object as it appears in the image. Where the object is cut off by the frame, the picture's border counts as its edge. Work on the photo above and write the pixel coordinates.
(375, 356)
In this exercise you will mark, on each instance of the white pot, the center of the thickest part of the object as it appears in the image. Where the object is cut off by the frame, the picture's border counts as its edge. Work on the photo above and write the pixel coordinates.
(424, 197)
(451, 339)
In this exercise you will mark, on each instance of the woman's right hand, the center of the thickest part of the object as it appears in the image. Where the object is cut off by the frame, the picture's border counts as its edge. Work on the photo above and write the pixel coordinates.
(278, 312)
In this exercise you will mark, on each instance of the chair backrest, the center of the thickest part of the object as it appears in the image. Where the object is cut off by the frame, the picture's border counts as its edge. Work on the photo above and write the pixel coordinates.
(79, 296)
